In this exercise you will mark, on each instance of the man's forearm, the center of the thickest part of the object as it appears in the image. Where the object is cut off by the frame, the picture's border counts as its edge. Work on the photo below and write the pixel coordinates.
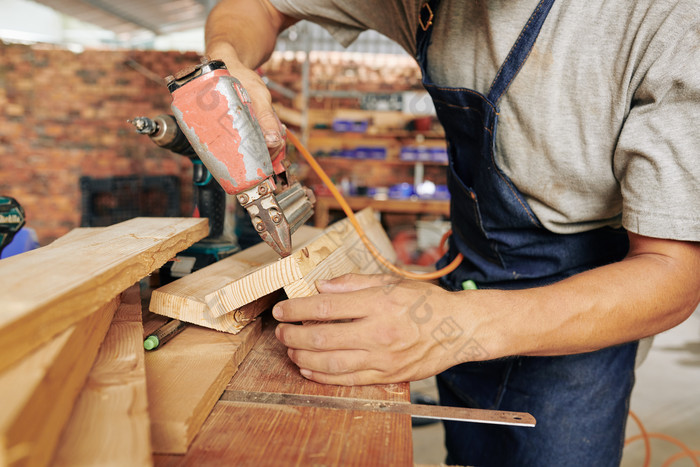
(647, 293)
(244, 30)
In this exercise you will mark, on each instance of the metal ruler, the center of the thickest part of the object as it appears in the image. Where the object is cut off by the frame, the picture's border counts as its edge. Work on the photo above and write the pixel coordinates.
(459, 414)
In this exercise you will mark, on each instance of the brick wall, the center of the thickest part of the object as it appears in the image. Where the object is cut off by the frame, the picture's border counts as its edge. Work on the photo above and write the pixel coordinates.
(63, 115)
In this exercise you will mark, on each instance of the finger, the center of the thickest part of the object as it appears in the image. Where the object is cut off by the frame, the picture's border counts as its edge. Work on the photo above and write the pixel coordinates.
(336, 362)
(358, 378)
(322, 307)
(265, 115)
(322, 337)
(354, 282)
(261, 103)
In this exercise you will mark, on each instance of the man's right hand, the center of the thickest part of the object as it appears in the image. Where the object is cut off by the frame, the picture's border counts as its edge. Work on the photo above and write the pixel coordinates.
(243, 35)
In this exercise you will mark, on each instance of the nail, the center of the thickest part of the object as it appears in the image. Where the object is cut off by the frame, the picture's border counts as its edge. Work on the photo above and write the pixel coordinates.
(277, 312)
(305, 373)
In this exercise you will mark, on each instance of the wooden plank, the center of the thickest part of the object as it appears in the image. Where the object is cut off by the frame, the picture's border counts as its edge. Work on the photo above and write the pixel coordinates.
(282, 272)
(246, 434)
(185, 379)
(184, 299)
(109, 423)
(75, 278)
(39, 391)
(351, 256)
(251, 434)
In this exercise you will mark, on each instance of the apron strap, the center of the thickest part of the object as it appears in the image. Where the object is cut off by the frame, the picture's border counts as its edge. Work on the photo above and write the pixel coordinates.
(519, 52)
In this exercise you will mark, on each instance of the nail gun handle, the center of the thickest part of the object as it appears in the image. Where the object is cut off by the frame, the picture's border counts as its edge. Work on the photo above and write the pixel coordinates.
(213, 110)
(277, 158)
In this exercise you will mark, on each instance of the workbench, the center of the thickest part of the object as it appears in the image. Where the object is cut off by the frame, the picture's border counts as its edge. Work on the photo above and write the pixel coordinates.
(325, 204)
(237, 433)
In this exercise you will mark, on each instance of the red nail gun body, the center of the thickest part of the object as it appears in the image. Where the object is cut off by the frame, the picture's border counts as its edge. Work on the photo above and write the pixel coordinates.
(214, 112)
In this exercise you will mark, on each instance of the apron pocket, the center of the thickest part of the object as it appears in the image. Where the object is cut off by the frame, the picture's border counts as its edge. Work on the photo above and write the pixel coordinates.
(467, 222)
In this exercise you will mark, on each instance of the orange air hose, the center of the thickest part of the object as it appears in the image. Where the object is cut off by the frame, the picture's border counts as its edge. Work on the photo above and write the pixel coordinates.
(644, 436)
(353, 220)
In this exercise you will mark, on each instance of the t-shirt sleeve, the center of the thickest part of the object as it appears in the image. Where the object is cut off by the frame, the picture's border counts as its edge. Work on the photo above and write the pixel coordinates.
(345, 20)
(656, 160)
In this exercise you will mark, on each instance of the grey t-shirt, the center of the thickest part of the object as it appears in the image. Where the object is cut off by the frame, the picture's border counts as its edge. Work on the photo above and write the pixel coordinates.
(602, 124)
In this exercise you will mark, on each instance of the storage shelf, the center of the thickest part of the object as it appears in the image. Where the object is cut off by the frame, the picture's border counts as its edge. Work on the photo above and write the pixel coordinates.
(377, 133)
(346, 160)
(324, 204)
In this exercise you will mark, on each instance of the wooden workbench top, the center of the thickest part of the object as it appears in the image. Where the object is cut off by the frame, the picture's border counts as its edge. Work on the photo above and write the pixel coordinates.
(242, 433)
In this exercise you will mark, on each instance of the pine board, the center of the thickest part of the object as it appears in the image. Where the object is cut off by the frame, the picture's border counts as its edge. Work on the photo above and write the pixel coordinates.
(77, 277)
(109, 424)
(39, 391)
(304, 260)
(185, 379)
(184, 299)
(350, 256)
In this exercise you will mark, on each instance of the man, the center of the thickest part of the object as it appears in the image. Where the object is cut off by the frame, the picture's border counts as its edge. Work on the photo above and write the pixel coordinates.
(572, 137)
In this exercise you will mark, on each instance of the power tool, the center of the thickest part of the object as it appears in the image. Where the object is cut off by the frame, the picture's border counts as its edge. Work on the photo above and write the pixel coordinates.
(11, 220)
(214, 112)
(209, 197)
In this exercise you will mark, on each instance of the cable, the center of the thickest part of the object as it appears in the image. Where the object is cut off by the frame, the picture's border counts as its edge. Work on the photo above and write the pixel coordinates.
(353, 220)
(646, 436)
(681, 455)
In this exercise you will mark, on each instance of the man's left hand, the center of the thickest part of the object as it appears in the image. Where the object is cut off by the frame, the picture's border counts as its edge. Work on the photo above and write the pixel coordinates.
(369, 329)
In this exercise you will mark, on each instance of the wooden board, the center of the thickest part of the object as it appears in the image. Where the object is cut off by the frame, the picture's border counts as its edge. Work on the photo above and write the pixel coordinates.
(39, 391)
(47, 290)
(258, 435)
(304, 260)
(351, 256)
(185, 379)
(251, 434)
(109, 423)
(184, 299)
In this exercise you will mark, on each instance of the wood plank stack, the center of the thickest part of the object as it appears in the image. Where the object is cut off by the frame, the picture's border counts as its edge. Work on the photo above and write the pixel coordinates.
(64, 321)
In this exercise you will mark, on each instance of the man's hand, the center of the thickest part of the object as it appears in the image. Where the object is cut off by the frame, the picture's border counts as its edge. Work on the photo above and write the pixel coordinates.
(372, 329)
(243, 34)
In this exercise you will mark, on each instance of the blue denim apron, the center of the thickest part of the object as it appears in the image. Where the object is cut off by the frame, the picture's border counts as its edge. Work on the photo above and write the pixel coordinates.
(580, 401)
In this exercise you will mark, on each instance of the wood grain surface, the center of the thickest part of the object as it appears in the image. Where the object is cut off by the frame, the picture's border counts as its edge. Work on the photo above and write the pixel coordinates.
(109, 424)
(37, 393)
(186, 377)
(184, 299)
(47, 290)
(350, 256)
